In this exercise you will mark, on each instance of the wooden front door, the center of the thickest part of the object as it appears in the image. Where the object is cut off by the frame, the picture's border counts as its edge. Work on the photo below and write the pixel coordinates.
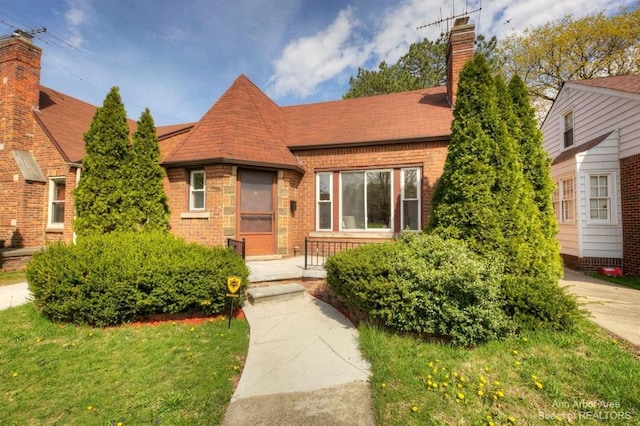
(257, 218)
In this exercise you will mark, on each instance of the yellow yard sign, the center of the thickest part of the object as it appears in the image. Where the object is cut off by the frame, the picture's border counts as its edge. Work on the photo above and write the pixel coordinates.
(233, 284)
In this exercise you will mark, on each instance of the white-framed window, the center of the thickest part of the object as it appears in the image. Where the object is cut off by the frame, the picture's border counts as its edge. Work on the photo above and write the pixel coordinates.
(324, 198)
(568, 129)
(197, 185)
(410, 188)
(555, 201)
(568, 200)
(600, 197)
(366, 200)
(57, 196)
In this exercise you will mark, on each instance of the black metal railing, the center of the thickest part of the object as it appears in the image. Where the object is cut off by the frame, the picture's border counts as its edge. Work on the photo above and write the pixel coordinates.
(238, 246)
(316, 251)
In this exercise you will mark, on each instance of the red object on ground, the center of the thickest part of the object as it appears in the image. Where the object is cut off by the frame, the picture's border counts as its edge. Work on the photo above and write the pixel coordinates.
(610, 271)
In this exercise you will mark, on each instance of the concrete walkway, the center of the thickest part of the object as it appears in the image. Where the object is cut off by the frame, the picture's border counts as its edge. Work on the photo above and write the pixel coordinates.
(612, 307)
(14, 295)
(303, 368)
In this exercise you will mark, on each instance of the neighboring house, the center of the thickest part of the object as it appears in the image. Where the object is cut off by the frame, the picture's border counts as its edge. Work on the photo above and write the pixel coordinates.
(592, 134)
(350, 170)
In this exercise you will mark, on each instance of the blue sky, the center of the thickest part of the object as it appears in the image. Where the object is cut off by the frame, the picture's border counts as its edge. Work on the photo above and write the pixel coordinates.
(178, 57)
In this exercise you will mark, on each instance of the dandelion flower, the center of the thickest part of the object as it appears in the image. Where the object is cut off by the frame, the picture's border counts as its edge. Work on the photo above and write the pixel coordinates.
(192, 328)
(459, 385)
(534, 377)
(518, 363)
(90, 408)
(430, 364)
(495, 382)
(483, 379)
(460, 395)
(480, 393)
(414, 408)
(500, 394)
(462, 378)
(486, 369)
(384, 385)
(14, 374)
(539, 385)
(515, 352)
(512, 419)
(455, 374)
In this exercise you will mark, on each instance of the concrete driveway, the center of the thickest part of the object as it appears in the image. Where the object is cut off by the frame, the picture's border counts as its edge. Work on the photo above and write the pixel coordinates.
(613, 307)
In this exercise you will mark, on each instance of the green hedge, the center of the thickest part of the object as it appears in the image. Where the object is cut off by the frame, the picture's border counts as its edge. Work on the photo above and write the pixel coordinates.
(119, 277)
(423, 284)
(427, 284)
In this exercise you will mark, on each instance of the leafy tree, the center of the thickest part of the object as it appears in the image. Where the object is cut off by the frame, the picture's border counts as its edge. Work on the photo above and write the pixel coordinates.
(147, 203)
(99, 196)
(572, 49)
(424, 65)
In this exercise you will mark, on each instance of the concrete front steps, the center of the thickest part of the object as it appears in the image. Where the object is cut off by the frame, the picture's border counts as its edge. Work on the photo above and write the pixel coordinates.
(274, 292)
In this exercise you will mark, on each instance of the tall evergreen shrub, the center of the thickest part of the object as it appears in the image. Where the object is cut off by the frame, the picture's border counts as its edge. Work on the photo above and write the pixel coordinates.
(147, 203)
(98, 198)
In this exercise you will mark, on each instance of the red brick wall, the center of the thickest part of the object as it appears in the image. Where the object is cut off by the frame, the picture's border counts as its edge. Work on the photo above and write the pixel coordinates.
(210, 230)
(630, 190)
(430, 156)
(24, 206)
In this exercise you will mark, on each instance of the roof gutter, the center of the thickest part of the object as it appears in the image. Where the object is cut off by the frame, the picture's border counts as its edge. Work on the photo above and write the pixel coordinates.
(221, 160)
(439, 138)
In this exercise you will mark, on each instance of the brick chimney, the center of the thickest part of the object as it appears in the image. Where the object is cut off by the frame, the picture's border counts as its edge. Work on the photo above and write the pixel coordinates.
(19, 95)
(19, 89)
(460, 49)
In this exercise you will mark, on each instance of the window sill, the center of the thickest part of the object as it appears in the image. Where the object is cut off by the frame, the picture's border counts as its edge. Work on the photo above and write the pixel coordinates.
(195, 215)
(51, 230)
(361, 235)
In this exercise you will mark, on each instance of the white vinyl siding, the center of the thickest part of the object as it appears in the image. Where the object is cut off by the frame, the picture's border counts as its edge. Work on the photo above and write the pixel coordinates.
(596, 112)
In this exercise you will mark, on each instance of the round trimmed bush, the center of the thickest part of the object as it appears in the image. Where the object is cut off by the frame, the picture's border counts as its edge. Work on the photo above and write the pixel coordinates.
(423, 283)
(119, 277)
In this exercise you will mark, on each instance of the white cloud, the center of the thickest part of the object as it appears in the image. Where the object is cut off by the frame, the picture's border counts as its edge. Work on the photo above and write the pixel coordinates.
(76, 17)
(308, 61)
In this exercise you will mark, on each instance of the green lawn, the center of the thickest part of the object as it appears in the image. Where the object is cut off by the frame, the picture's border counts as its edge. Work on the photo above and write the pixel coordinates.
(170, 374)
(631, 282)
(544, 378)
(12, 277)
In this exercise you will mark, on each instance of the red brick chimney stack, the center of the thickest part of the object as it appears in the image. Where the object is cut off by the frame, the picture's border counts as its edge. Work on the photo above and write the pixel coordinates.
(19, 89)
(460, 49)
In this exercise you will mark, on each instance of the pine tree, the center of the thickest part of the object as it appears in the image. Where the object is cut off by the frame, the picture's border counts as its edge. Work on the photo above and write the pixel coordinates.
(101, 190)
(147, 205)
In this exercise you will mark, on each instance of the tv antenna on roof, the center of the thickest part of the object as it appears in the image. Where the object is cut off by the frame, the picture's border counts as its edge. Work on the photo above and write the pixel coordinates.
(28, 34)
(448, 19)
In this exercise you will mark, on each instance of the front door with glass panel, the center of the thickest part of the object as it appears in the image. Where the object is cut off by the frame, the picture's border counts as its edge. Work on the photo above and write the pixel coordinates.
(257, 219)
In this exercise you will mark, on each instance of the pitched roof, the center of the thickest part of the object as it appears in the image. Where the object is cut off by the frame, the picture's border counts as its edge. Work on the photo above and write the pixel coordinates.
(243, 127)
(624, 83)
(572, 152)
(419, 114)
(65, 119)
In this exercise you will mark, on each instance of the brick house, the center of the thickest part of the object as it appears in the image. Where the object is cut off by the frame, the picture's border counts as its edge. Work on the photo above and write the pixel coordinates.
(349, 170)
(592, 133)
